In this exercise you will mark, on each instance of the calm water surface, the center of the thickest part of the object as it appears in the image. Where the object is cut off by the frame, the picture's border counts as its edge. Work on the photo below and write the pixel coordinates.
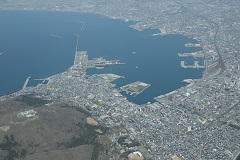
(29, 50)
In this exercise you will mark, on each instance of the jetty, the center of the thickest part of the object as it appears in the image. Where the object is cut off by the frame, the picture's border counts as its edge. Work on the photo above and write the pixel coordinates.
(26, 82)
(198, 54)
(195, 65)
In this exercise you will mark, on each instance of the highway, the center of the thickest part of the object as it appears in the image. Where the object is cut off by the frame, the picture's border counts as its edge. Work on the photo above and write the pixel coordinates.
(220, 61)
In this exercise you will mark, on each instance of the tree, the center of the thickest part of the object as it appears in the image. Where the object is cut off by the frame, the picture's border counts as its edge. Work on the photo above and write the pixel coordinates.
(23, 153)
(11, 137)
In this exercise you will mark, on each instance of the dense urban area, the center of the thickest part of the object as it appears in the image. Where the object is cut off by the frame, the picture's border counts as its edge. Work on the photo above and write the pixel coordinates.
(199, 121)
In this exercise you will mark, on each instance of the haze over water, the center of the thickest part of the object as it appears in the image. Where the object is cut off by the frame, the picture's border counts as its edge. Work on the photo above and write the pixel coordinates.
(29, 50)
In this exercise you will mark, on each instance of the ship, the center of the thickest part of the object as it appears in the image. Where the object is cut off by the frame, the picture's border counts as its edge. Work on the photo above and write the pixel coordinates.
(101, 65)
(108, 63)
(55, 36)
(1, 54)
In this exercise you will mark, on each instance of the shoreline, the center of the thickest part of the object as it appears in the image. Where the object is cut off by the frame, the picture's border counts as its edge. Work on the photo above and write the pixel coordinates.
(113, 18)
(183, 120)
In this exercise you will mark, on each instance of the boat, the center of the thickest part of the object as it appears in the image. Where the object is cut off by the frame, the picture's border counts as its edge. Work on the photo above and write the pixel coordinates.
(155, 34)
(99, 67)
(55, 36)
(108, 63)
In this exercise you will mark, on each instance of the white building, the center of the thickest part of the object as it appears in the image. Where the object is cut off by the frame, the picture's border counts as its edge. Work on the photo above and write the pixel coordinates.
(27, 114)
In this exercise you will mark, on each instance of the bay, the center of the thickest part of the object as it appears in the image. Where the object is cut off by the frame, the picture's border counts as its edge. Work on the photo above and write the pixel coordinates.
(41, 44)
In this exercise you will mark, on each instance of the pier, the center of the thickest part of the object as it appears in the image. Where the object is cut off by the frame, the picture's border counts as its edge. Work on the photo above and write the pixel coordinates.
(82, 62)
(26, 82)
(195, 65)
(43, 80)
(198, 54)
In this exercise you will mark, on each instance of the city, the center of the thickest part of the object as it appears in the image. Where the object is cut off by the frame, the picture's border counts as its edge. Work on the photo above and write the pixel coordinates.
(199, 121)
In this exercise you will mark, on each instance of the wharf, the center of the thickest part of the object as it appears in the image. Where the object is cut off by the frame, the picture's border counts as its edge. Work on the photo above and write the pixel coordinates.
(195, 65)
(82, 62)
(198, 54)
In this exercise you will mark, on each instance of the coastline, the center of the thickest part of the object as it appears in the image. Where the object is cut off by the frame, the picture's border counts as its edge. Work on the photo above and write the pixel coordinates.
(130, 23)
(194, 123)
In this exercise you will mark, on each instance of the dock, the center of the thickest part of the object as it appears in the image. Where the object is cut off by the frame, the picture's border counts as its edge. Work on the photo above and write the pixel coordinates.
(82, 62)
(195, 65)
(198, 54)
(26, 82)
(165, 95)
(43, 80)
